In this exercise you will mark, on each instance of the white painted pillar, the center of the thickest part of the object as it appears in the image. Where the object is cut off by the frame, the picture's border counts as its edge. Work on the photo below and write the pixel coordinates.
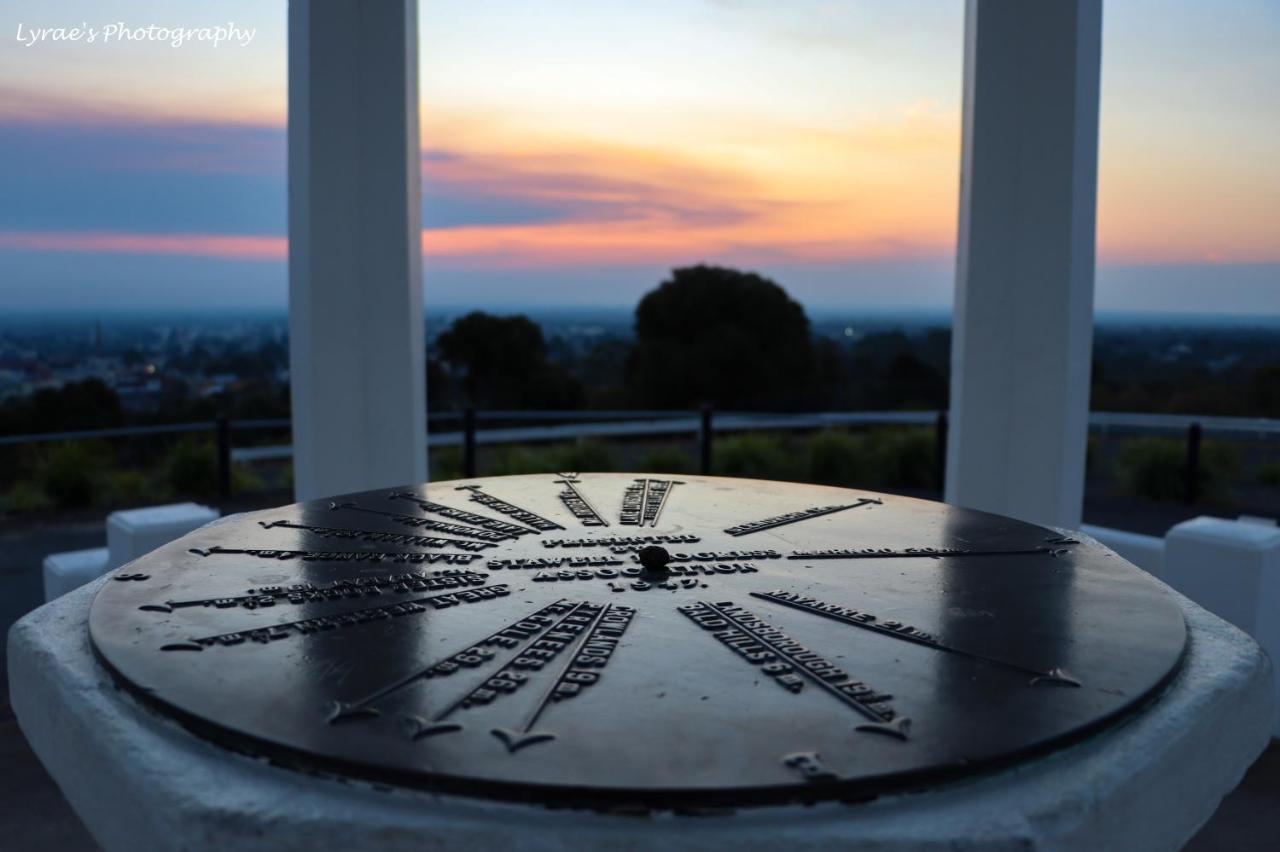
(1023, 327)
(357, 361)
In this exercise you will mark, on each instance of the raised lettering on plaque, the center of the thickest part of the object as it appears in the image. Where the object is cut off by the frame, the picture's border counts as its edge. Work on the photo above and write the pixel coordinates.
(577, 503)
(644, 500)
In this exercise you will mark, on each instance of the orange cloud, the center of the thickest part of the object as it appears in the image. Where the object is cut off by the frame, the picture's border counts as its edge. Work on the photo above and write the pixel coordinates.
(886, 190)
(123, 108)
(662, 240)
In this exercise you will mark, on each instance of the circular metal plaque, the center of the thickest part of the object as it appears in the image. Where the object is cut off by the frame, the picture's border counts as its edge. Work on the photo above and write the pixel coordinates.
(610, 640)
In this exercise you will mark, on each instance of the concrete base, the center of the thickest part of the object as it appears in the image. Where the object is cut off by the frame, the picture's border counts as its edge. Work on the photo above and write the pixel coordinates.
(140, 781)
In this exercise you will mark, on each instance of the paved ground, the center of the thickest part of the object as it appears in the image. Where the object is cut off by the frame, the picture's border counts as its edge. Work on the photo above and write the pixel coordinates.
(1249, 819)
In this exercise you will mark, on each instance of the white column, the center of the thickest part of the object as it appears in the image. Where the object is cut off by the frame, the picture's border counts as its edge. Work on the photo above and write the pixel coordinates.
(355, 286)
(1023, 326)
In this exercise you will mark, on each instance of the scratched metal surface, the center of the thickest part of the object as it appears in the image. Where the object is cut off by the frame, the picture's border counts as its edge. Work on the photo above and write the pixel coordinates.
(501, 637)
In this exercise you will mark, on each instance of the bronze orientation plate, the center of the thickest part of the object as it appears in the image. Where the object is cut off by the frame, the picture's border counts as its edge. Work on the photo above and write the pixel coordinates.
(621, 641)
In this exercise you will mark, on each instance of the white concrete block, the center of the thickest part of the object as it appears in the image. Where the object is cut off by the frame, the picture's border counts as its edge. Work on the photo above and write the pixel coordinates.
(134, 532)
(1145, 551)
(1231, 568)
(1220, 563)
(66, 571)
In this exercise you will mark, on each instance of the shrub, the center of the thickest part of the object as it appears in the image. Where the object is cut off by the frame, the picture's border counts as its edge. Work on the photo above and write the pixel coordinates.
(902, 458)
(72, 473)
(1094, 462)
(446, 463)
(244, 480)
(666, 460)
(754, 455)
(513, 460)
(838, 458)
(132, 487)
(191, 467)
(591, 456)
(886, 458)
(1155, 468)
(585, 456)
(25, 496)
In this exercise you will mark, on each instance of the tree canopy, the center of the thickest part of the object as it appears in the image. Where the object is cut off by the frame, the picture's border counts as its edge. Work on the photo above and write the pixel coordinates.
(87, 404)
(501, 362)
(712, 335)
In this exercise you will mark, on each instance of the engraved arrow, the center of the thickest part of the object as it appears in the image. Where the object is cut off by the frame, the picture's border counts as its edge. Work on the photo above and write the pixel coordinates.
(344, 588)
(797, 517)
(644, 500)
(427, 523)
(921, 553)
(462, 515)
(282, 629)
(360, 707)
(403, 557)
(437, 724)
(587, 514)
(880, 722)
(347, 533)
(524, 516)
(1054, 676)
(515, 740)
(664, 487)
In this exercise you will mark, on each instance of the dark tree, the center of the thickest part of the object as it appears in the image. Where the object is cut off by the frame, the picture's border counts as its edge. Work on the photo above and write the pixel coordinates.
(501, 362)
(1265, 391)
(87, 404)
(439, 385)
(909, 383)
(711, 335)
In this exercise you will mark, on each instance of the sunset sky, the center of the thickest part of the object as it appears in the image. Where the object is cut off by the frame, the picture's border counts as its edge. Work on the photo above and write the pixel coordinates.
(574, 152)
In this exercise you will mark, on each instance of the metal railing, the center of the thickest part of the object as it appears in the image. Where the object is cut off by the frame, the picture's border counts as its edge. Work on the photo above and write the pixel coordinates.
(551, 426)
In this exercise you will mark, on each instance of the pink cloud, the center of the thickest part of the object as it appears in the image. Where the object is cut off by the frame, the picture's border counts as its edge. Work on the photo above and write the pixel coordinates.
(229, 247)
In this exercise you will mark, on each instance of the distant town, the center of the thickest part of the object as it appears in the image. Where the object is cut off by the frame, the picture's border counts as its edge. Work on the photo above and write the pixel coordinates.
(152, 361)
(723, 338)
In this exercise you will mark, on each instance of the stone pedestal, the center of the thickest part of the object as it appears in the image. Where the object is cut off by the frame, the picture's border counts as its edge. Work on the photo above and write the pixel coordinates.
(140, 781)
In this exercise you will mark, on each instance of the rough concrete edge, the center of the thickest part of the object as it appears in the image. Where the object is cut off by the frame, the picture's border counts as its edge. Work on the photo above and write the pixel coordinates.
(210, 798)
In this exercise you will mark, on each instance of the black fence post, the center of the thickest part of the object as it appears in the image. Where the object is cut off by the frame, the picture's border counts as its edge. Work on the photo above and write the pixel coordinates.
(704, 440)
(223, 439)
(1193, 462)
(940, 452)
(469, 443)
